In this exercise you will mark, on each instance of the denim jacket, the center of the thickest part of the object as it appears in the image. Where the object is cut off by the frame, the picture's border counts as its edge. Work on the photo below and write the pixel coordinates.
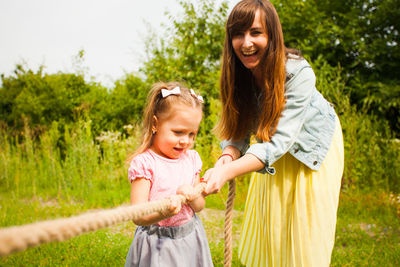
(306, 125)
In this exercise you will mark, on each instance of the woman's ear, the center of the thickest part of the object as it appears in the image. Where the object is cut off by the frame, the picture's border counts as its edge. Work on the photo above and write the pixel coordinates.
(154, 124)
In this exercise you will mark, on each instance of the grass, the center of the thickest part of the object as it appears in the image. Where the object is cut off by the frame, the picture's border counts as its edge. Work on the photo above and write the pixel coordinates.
(368, 232)
(105, 247)
(101, 248)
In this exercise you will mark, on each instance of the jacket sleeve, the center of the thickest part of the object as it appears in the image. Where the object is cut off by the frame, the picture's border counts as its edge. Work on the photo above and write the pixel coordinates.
(298, 94)
(241, 145)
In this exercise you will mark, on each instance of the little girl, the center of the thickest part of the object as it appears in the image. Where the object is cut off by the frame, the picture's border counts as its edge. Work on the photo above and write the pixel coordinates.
(164, 165)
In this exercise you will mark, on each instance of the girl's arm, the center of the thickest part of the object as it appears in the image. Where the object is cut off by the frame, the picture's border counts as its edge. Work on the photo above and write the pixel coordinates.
(140, 190)
(197, 203)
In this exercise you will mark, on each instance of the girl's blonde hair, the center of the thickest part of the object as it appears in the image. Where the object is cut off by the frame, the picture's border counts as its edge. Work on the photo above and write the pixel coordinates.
(162, 108)
(241, 98)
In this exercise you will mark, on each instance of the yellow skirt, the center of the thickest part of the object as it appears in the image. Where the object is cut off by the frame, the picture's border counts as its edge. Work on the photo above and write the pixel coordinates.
(290, 217)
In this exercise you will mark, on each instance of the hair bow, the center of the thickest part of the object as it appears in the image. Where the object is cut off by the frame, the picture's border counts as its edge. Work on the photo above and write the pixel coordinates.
(199, 97)
(166, 92)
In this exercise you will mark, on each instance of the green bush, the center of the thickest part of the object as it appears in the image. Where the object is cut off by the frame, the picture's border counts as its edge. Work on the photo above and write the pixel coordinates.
(37, 169)
(371, 151)
(362, 36)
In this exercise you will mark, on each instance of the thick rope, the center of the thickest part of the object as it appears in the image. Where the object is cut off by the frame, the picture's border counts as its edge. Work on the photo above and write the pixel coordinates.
(19, 238)
(228, 224)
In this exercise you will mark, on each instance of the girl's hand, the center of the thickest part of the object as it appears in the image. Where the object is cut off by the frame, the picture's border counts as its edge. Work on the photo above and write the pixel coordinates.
(187, 191)
(174, 207)
(195, 201)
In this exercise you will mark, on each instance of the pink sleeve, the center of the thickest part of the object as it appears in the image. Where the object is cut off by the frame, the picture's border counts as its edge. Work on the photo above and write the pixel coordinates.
(141, 167)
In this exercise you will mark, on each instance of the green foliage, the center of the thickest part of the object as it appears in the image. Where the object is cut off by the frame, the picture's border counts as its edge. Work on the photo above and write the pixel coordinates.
(362, 36)
(37, 169)
(206, 142)
(42, 98)
(193, 48)
(370, 151)
(120, 106)
(382, 100)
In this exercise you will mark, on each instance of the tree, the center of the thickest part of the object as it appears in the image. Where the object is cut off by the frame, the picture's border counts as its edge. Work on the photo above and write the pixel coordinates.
(193, 48)
(361, 36)
(40, 98)
(124, 104)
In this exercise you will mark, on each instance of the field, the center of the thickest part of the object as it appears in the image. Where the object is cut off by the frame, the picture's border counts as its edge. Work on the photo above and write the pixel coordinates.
(368, 232)
(41, 182)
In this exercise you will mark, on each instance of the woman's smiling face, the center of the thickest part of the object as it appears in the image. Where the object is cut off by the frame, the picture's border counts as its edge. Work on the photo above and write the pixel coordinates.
(250, 45)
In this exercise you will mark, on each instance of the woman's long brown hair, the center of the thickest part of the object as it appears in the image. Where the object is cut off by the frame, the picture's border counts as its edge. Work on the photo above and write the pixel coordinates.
(239, 91)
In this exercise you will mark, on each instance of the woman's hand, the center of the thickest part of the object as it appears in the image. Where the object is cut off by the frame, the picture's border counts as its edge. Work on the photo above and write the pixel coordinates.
(219, 175)
(216, 178)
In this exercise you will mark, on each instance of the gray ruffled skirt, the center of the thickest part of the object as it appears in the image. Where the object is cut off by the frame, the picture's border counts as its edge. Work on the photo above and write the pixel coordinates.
(184, 245)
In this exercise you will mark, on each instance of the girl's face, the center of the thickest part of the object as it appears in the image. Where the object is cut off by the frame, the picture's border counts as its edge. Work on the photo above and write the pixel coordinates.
(176, 133)
(250, 45)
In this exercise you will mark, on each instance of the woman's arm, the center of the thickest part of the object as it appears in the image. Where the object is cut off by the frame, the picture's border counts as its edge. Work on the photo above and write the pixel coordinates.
(218, 176)
(140, 190)
(229, 154)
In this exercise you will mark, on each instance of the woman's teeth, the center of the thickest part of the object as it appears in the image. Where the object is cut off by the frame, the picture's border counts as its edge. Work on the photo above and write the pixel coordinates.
(249, 53)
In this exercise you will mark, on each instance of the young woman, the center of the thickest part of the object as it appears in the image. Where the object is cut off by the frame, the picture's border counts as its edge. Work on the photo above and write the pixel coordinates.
(269, 96)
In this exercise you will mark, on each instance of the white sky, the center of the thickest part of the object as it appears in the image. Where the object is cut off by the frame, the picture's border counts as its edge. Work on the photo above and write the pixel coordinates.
(51, 32)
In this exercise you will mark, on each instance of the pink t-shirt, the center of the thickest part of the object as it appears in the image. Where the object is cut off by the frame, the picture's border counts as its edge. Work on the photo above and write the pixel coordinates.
(166, 175)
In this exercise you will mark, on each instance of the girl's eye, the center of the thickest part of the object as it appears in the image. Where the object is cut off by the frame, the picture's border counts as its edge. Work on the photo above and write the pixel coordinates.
(179, 133)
